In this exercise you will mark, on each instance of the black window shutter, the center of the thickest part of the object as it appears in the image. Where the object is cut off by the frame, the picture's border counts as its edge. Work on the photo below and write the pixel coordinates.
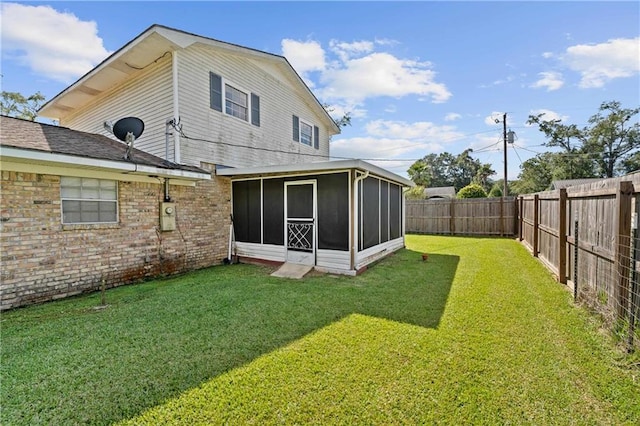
(255, 109)
(296, 128)
(316, 137)
(215, 83)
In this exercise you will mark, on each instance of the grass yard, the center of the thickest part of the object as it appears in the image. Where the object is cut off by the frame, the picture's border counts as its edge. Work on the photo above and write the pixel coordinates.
(478, 334)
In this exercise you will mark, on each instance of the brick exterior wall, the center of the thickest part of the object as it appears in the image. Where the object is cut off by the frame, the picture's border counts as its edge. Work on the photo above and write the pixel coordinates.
(42, 259)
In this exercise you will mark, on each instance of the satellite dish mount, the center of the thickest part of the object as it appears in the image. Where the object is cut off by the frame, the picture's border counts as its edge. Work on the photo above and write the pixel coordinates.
(128, 129)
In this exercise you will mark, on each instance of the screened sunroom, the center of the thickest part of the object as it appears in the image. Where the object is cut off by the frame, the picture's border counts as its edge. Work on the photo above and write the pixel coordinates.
(338, 216)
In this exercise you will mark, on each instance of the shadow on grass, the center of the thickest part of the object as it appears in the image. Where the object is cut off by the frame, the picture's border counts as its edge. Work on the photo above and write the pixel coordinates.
(66, 362)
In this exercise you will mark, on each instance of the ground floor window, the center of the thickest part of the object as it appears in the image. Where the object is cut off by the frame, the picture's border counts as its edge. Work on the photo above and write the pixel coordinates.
(87, 200)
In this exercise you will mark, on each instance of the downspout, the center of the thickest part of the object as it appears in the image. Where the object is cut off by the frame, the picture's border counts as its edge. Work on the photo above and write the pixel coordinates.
(176, 107)
(354, 229)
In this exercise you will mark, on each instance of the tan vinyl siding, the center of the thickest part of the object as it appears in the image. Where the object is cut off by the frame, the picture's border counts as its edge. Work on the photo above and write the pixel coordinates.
(148, 96)
(279, 100)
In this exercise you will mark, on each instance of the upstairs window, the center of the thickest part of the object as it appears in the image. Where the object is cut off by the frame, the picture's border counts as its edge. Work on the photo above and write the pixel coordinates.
(87, 200)
(306, 133)
(237, 102)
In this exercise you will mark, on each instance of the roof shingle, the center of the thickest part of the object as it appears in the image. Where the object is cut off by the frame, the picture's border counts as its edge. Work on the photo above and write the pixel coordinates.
(35, 136)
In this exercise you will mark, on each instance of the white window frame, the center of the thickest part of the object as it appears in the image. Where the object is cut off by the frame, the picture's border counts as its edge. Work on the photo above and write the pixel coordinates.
(240, 89)
(82, 199)
(306, 123)
(228, 102)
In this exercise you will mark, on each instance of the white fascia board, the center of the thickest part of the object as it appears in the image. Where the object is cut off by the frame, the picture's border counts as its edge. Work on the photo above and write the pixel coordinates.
(316, 167)
(71, 161)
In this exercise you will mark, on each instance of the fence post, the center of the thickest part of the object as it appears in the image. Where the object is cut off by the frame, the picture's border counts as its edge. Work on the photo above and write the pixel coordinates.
(562, 237)
(520, 218)
(624, 194)
(536, 223)
(515, 217)
(576, 250)
(452, 218)
(502, 227)
(635, 297)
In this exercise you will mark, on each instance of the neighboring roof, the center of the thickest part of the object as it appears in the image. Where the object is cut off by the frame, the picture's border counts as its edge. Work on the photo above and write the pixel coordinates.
(309, 168)
(440, 192)
(29, 138)
(560, 184)
(152, 44)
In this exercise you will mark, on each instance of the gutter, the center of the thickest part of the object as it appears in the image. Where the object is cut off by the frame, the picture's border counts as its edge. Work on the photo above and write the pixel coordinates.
(72, 161)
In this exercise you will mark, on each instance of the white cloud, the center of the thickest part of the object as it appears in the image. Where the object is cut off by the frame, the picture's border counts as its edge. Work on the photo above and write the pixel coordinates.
(370, 147)
(351, 72)
(51, 43)
(347, 50)
(382, 74)
(452, 116)
(304, 56)
(418, 131)
(548, 115)
(491, 119)
(392, 109)
(600, 63)
(548, 55)
(550, 79)
(396, 140)
(499, 82)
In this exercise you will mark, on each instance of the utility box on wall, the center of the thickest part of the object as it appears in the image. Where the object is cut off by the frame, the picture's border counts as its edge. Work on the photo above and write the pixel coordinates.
(167, 216)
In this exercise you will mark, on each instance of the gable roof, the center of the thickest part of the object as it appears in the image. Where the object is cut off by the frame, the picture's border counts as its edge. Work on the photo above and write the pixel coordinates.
(152, 44)
(28, 140)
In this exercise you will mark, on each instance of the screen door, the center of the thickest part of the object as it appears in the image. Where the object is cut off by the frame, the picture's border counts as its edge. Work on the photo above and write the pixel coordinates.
(300, 218)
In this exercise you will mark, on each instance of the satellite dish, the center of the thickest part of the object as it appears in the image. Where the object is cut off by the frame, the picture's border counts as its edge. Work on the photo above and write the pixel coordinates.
(127, 125)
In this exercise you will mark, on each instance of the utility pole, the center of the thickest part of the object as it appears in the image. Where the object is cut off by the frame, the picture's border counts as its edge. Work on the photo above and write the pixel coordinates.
(505, 190)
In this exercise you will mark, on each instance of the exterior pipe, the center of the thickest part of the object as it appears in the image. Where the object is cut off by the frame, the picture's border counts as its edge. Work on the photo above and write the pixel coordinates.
(167, 198)
(166, 138)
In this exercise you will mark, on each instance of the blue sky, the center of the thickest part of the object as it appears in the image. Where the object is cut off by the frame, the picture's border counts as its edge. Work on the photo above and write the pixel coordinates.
(417, 77)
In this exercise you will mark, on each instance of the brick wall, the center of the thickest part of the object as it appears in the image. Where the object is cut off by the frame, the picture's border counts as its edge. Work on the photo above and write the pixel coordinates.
(41, 259)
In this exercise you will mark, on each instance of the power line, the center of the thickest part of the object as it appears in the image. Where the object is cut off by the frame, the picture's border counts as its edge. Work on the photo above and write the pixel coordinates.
(178, 128)
(516, 151)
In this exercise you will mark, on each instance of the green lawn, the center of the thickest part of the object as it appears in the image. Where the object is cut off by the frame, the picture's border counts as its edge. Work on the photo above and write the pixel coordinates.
(478, 334)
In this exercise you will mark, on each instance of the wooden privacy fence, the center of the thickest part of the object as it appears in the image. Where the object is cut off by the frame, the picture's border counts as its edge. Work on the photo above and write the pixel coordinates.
(587, 235)
(469, 216)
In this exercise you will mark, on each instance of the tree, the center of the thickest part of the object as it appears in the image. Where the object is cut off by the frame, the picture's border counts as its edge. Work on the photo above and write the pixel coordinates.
(613, 137)
(435, 170)
(567, 137)
(604, 148)
(536, 174)
(343, 121)
(482, 176)
(415, 193)
(14, 104)
(472, 190)
(496, 191)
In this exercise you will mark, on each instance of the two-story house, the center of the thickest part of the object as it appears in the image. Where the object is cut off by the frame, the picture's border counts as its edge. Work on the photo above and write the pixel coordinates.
(235, 106)
(242, 114)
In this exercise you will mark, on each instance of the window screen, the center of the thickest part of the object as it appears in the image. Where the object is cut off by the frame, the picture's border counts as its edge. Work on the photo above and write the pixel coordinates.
(246, 211)
(273, 211)
(333, 211)
(370, 212)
